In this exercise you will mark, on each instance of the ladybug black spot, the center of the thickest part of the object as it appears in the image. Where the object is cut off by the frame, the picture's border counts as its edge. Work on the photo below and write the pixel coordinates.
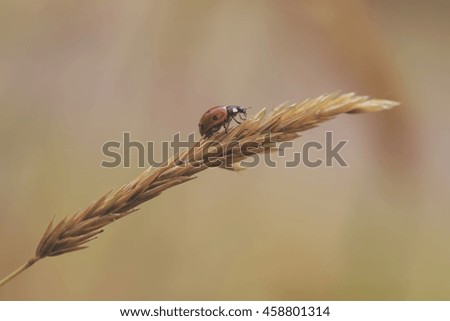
(215, 117)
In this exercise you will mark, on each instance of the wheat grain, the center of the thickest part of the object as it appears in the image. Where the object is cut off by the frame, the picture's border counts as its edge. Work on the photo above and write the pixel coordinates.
(222, 150)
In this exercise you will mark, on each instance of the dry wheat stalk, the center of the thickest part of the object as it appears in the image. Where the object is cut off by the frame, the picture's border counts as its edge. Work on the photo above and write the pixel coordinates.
(222, 150)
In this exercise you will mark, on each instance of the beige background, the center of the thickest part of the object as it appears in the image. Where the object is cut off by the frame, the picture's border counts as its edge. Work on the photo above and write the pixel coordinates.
(75, 74)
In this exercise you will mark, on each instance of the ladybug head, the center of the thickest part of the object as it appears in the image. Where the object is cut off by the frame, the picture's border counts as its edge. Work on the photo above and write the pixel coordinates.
(234, 110)
(243, 110)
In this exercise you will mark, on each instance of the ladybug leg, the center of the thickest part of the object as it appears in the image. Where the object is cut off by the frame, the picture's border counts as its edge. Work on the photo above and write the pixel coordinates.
(208, 134)
(225, 126)
(235, 119)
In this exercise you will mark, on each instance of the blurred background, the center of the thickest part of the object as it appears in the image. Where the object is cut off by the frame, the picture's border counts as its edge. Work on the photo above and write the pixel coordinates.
(75, 74)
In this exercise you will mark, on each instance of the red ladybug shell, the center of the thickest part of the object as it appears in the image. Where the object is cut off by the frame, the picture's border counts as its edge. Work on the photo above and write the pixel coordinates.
(212, 120)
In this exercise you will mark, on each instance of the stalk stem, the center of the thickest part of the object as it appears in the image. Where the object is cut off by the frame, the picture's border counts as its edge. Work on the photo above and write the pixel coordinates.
(15, 273)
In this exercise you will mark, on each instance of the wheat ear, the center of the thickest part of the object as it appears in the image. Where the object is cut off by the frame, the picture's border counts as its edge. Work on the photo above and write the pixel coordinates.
(222, 150)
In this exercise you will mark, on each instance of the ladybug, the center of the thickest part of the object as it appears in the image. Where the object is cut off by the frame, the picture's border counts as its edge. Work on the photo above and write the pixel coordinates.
(213, 119)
